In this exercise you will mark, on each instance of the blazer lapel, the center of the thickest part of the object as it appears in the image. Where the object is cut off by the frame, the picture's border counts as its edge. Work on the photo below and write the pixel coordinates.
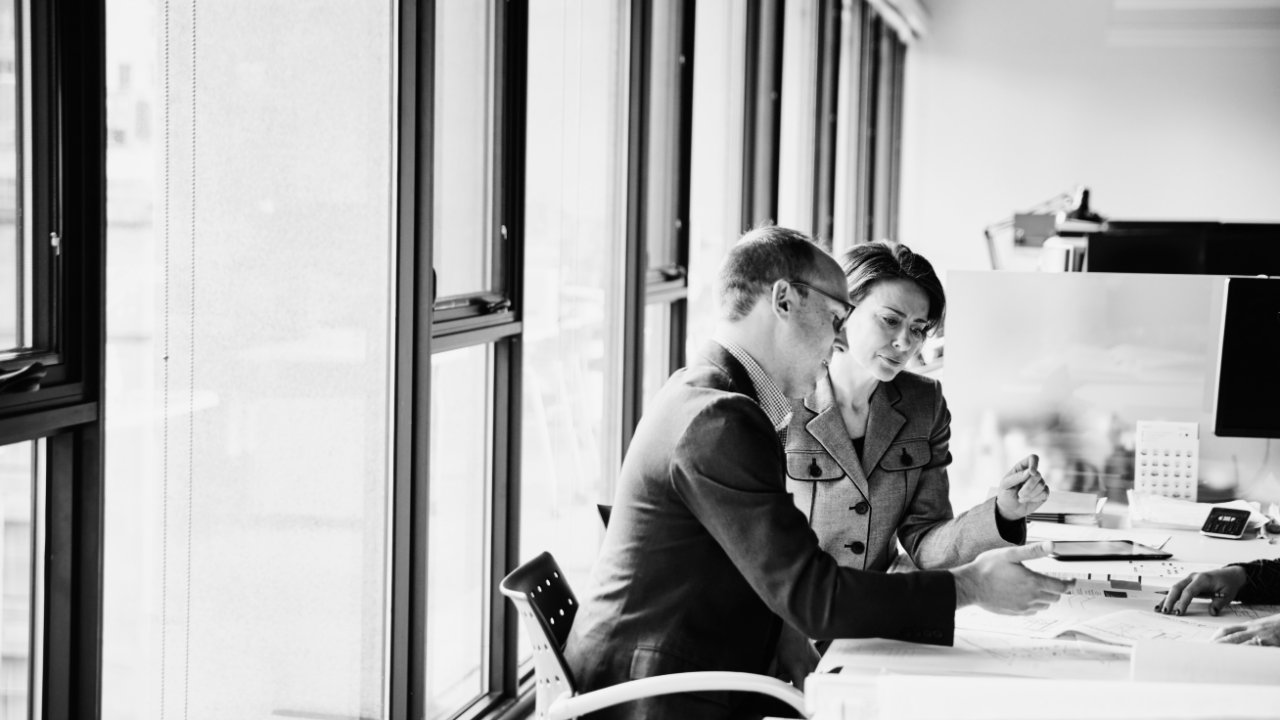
(827, 427)
(883, 424)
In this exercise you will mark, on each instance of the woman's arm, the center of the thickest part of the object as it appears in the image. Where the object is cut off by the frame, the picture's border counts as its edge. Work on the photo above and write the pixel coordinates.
(929, 531)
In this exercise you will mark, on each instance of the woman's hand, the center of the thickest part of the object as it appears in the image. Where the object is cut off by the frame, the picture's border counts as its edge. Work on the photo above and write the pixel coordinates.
(1022, 490)
(1221, 584)
(797, 657)
(1263, 631)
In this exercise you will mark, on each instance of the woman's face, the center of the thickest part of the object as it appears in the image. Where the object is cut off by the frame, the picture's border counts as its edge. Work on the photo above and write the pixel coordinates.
(885, 331)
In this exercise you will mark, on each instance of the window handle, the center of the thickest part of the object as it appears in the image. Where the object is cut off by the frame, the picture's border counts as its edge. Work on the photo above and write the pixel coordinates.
(25, 379)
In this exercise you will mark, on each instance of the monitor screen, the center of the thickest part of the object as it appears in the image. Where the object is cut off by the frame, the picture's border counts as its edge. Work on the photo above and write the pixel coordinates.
(1248, 394)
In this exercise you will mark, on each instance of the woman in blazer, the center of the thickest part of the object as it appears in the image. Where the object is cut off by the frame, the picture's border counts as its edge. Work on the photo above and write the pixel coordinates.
(867, 453)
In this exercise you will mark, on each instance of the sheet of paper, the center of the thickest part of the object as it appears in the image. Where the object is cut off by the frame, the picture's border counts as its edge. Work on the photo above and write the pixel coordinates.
(1128, 627)
(978, 653)
(1156, 573)
(986, 698)
(1166, 661)
(1064, 615)
(1060, 531)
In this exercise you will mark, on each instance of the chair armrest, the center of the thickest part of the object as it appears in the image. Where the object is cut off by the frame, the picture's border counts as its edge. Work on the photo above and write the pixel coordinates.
(566, 707)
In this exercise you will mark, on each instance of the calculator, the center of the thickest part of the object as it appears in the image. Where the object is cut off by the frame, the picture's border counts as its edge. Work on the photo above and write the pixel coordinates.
(1225, 523)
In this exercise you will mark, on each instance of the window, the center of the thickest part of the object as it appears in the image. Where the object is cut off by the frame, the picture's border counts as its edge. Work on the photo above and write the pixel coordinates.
(720, 138)
(50, 293)
(249, 317)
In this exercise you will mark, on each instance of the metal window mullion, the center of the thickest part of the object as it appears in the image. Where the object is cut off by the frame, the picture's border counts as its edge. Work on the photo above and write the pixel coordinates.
(824, 167)
(634, 263)
(688, 51)
(865, 191)
(762, 108)
(412, 407)
(895, 157)
(881, 171)
(505, 523)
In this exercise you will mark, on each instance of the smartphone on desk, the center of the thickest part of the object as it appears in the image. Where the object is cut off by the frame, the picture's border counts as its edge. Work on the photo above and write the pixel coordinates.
(1072, 550)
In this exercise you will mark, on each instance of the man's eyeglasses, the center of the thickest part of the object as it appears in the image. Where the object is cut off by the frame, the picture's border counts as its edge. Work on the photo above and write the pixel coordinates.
(839, 321)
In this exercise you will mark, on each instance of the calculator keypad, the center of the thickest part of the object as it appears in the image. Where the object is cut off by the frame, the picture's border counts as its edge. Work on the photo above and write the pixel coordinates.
(1167, 459)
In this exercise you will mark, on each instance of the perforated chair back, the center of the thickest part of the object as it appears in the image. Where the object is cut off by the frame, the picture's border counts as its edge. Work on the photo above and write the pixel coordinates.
(547, 607)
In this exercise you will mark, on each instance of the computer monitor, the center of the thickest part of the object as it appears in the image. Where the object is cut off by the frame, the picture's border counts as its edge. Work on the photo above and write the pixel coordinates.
(1248, 395)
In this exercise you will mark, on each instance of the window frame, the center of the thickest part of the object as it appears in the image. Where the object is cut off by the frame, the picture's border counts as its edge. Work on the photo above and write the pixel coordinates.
(68, 152)
(424, 327)
(646, 283)
(762, 121)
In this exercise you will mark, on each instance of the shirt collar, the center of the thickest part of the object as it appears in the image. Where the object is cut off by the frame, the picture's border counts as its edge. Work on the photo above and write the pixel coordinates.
(776, 406)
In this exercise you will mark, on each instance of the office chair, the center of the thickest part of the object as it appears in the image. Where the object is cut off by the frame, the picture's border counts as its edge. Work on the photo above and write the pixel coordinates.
(547, 607)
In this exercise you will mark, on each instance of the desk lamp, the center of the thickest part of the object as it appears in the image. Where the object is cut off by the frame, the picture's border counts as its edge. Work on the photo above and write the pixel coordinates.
(1065, 214)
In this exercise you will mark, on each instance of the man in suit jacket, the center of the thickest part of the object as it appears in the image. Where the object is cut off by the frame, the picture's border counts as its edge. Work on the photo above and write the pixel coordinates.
(705, 555)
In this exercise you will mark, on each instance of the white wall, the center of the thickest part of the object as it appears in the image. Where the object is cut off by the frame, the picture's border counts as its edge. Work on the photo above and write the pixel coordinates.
(1009, 102)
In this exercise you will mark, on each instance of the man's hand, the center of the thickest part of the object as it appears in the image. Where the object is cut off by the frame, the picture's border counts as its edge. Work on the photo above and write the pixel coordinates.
(1263, 631)
(797, 657)
(998, 582)
(1221, 584)
(1022, 490)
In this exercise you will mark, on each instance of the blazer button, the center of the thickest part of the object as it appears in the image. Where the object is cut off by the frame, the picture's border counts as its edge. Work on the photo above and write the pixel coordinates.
(814, 470)
(861, 508)
(856, 547)
(906, 457)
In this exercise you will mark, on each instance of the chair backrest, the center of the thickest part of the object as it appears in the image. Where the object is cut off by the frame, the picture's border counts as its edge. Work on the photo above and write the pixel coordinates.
(547, 607)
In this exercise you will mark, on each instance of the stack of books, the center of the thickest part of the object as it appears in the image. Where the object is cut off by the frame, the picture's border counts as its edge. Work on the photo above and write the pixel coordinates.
(1072, 508)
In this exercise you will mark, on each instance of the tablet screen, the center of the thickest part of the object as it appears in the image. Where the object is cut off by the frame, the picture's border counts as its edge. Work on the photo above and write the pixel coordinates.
(1088, 549)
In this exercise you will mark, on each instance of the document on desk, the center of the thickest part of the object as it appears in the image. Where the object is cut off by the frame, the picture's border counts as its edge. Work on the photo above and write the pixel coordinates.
(979, 653)
(1128, 627)
(1063, 615)
(1059, 531)
(1157, 573)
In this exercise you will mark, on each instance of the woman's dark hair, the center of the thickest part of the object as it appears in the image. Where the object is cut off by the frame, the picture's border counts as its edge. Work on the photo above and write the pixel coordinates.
(867, 264)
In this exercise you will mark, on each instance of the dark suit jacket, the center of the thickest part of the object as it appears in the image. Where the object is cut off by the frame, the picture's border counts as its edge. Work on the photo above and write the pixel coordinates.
(706, 554)
(899, 486)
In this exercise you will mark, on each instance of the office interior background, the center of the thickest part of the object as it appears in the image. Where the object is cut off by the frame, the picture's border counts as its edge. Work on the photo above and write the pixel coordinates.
(347, 308)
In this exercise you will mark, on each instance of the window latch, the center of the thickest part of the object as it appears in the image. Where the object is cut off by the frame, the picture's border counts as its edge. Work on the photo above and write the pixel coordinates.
(56, 241)
(498, 306)
(25, 379)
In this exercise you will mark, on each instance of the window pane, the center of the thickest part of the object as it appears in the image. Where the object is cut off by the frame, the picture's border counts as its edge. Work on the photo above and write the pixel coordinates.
(657, 349)
(248, 307)
(715, 203)
(18, 480)
(15, 295)
(663, 168)
(458, 529)
(573, 276)
(462, 229)
(799, 110)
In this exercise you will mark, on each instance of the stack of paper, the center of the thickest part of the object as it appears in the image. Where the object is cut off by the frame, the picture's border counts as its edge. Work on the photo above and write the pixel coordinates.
(1163, 512)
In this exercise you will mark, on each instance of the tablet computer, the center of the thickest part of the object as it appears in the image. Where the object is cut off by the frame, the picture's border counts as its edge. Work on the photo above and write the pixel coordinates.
(1105, 550)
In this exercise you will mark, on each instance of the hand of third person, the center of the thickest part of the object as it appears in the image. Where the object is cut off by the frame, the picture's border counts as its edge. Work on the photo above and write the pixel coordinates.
(1262, 631)
(1022, 491)
(1221, 585)
(997, 581)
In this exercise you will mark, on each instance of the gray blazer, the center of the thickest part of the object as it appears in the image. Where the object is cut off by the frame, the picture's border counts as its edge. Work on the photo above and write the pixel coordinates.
(855, 506)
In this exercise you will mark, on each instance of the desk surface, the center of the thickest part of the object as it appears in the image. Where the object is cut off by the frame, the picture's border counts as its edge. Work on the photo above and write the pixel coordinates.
(1067, 657)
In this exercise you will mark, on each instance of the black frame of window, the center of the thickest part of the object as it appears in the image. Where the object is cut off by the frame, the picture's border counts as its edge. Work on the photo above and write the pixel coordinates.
(824, 146)
(424, 327)
(68, 154)
(762, 112)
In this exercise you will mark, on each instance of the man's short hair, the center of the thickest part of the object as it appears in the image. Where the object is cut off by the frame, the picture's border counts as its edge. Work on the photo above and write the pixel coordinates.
(761, 257)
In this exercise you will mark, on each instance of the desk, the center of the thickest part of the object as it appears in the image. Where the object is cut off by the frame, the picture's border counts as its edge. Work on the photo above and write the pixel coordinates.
(1068, 657)
(991, 657)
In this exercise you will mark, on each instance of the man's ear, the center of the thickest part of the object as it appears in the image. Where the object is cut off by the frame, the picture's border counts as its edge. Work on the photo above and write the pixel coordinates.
(778, 299)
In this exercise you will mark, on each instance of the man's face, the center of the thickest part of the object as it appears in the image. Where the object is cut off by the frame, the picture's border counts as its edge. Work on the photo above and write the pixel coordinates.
(810, 335)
